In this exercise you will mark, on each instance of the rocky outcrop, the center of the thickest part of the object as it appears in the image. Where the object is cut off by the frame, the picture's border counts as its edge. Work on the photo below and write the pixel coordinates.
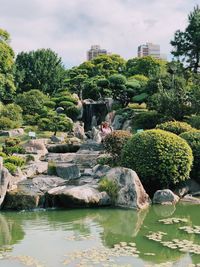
(165, 197)
(35, 168)
(77, 196)
(118, 122)
(190, 199)
(12, 133)
(37, 146)
(5, 178)
(189, 186)
(79, 131)
(67, 171)
(131, 193)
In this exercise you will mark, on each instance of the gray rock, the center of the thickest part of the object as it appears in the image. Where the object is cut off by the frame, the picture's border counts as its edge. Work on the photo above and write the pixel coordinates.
(35, 168)
(67, 171)
(118, 122)
(100, 170)
(96, 135)
(131, 193)
(189, 186)
(56, 139)
(79, 131)
(37, 146)
(127, 125)
(5, 178)
(12, 133)
(165, 197)
(79, 196)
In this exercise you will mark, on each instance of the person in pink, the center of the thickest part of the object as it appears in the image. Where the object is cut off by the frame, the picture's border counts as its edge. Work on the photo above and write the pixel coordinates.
(105, 129)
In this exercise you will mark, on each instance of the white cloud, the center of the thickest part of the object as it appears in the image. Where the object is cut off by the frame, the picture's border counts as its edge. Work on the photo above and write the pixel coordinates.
(69, 27)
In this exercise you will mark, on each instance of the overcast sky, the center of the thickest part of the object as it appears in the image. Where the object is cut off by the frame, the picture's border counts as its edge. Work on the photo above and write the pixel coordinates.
(70, 27)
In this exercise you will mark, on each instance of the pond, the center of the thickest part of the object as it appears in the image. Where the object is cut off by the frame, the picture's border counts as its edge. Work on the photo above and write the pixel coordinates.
(159, 236)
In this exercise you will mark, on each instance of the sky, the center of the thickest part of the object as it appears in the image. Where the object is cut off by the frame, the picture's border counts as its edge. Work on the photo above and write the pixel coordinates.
(70, 27)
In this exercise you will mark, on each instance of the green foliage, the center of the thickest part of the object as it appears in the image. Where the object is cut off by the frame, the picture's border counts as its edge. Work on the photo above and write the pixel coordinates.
(17, 161)
(110, 187)
(66, 104)
(52, 168)
(161, 159)
(194, 121)
(3, 155)
(186, 43)
(12, 141)
(12, 112)
(41, 69)
(6, 124)
(106, 160)
(72, 112)
(7, 87)
(193, 139)
(29, 158)
(146, 120)
(115, 141)
(32, 102)
(31, 119)
(55, 123)
(176, 127)
(12, 145)
(137, 106)
(11, 167)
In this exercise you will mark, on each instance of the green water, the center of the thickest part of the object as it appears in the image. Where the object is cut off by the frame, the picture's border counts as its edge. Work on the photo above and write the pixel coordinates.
(86, 237)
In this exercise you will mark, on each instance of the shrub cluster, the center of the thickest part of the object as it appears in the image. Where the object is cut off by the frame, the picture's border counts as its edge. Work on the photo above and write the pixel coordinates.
(115, 141)
(12, 145)
(176, 127)
(194, 121)
(193, 139)
(146, 120)
(160, 158)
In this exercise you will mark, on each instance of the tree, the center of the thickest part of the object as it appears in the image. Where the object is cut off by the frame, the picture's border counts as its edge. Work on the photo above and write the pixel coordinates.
(7, 87)
(186, 43)
(147, 66)
(41, 69)
(31, 102)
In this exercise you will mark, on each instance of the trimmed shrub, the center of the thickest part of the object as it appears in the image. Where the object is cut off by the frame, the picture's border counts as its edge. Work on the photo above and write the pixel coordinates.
(31, 119)
(72, 112)
(137, 106)
(68, 98)
(11, 167)
(115, 141)
(161, 159)
(50, 104)
(193, 139)
(176, 127)
(110, 187)
(147, 120)
(17, 161)
(66, 104)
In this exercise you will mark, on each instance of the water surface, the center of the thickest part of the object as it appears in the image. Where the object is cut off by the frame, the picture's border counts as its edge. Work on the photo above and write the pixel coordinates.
(98, 237)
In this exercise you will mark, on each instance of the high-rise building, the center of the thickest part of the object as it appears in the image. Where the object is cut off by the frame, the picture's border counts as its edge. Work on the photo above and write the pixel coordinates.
(149, 49)
(95, 51)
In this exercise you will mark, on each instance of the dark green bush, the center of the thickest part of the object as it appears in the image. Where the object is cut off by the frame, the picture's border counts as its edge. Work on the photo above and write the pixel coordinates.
(12, 141)
(110, 187)
(176, 127)
(147, 120)
(72, 112)
(13, 149)
(17, 161)
(11, 167)
(115, 141)
(31, 119)
(29, 158)
(50, 104)
(68, 98)
(66, 104)
(161, 159)
(193, 139)
(194, 121)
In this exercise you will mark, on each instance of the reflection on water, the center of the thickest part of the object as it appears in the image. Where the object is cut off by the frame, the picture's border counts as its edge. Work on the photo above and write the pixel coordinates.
(66, 238)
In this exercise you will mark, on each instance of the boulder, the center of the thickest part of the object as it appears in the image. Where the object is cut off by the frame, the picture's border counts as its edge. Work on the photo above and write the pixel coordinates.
(79, 196)
(100, 170)
(5, 178)
(189, 186)
(190, 199)
(118, 122)
(165, 197)
(37, 146)
(131, 193)
(96, 135)
(12, 133)
(57, 139)
(35, 168)
(30, 194)
(67, 171)
(127, 125)
(79, 131)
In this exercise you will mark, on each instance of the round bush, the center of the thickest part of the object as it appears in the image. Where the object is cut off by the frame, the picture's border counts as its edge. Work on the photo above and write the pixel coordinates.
(115, 141)
(176, 127)
(72, 112)
(6, 124)
(193, 139)
(160, 158)
(66, 104)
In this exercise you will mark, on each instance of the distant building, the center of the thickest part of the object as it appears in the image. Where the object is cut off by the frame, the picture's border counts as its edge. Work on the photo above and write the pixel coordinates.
(149, 49)
(95, 51)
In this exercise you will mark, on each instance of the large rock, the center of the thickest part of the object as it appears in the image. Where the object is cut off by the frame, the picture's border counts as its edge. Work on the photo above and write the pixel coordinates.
(165, 197)
(127, 126)
(12, 133)
(131, 193)
(190, 199)
(35, 168)
(79, 196)
(67, 171)
(118, 122)
(5, 178)
(189, 186)
(37, 146)
(79, 131)
(30, 194)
